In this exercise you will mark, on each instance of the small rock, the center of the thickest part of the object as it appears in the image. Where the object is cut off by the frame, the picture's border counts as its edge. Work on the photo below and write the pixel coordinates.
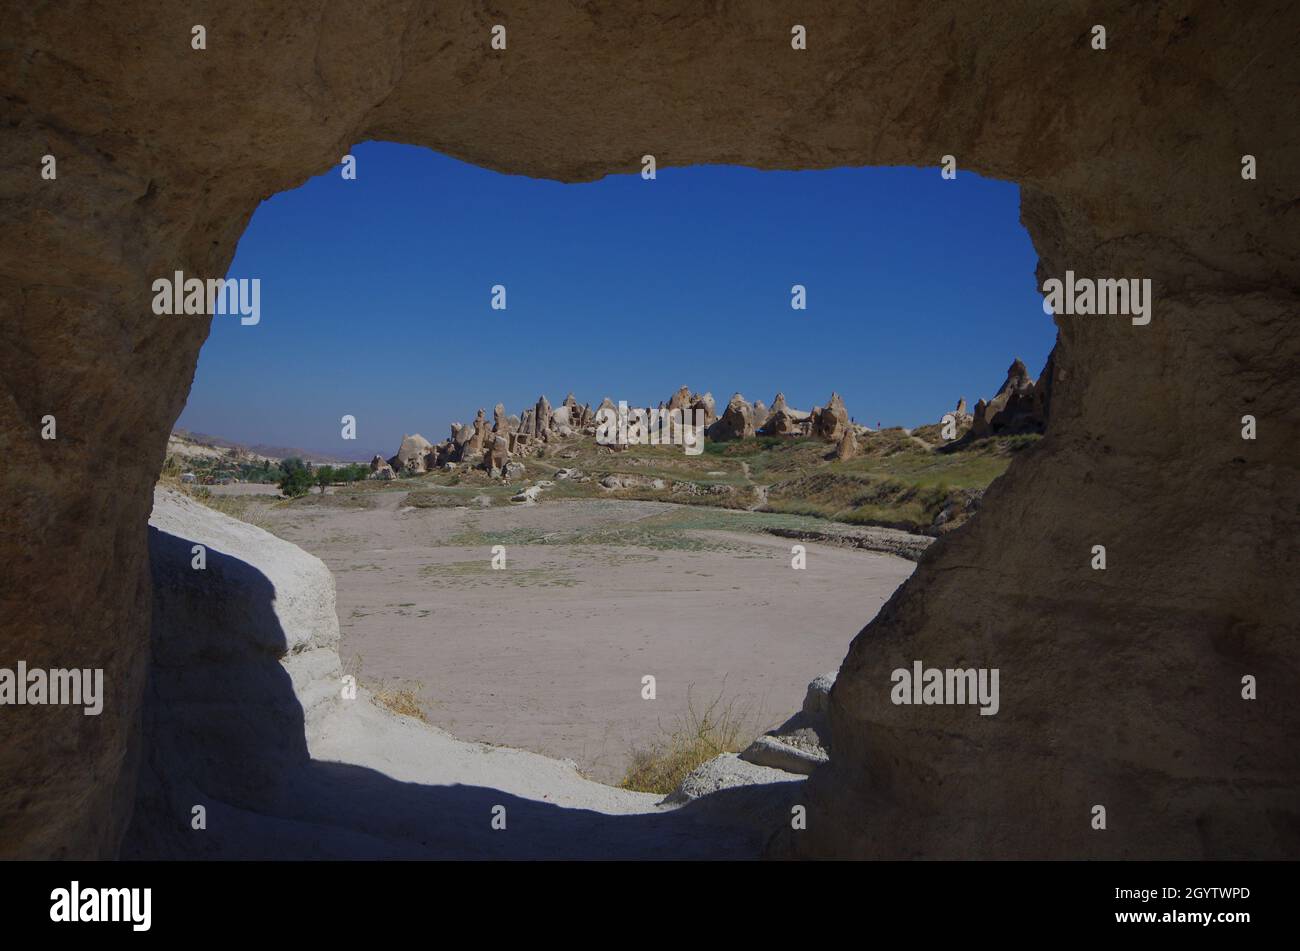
(528, 496)
(776, 753)
(816, 702)
(726, 772)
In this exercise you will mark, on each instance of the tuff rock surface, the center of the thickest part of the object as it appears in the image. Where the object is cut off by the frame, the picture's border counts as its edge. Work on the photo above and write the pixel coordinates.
(1120, 687)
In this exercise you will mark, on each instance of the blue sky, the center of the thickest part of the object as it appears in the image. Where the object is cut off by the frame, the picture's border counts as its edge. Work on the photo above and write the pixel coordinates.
(375, 297)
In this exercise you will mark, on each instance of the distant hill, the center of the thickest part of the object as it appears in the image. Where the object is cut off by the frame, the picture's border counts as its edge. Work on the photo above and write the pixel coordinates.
(194, 445)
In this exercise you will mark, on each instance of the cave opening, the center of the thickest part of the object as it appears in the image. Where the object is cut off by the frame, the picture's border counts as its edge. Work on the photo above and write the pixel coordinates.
(405, 292)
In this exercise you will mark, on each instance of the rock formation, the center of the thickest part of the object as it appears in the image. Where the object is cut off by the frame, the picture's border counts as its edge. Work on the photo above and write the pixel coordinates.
(704, 404)
(478, 440)
(460, 437)
(1018, 407)
(542, 419)
(680, 402)
(562, 421)
(830, 423)
(847, 448)
(499, 454)
(802, 743)
(410, 458)
(736, 423)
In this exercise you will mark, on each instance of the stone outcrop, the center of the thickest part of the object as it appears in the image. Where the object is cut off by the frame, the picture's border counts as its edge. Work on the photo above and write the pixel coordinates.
(704, 404)
(847, 448)
(832, 421)
(478, 439)
(542, 424)
(784, 420)
(729, 771)
(411, 456)
(492, 445)
(1144, 449)
(499, 454)
(1019, 406)
(679, 403)
(212, 656)
(801, 743)
(562, 421)
(736, 423)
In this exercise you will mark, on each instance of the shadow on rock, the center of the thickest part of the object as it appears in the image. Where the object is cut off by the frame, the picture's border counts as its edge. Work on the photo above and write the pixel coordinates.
(225, 730)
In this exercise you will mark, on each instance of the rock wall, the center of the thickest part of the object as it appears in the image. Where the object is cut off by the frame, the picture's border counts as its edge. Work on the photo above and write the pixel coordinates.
(1120, 686)
(250, 749)
(242, 650)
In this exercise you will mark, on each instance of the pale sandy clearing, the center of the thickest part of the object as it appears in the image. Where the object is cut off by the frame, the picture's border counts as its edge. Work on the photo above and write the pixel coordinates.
(549, 654)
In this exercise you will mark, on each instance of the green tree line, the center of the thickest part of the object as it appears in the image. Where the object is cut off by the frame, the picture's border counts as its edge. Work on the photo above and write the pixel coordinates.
(298, 477)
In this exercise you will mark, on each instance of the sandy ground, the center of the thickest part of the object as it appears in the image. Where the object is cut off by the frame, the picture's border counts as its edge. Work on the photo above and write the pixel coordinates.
(245, 488)
(549, 654)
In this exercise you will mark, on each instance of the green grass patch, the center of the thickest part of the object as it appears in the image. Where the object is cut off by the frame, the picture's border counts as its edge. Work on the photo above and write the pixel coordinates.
(481, 572)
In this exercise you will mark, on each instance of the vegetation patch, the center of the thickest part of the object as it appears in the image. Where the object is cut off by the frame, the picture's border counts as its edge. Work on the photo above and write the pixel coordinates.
(701, 734)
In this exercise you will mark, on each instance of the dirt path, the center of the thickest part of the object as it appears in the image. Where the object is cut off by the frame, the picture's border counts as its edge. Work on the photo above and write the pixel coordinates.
(919, 441)
(760, 491)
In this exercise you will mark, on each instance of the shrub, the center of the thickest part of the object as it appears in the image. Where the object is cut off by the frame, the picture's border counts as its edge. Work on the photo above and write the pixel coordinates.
(297, 478)
(698, 737)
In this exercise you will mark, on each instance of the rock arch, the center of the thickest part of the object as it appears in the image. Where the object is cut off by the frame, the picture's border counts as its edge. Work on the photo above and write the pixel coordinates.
(1118, 687)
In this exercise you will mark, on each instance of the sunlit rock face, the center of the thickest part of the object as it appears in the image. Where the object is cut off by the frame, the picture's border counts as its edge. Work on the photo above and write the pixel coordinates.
(1119, 687)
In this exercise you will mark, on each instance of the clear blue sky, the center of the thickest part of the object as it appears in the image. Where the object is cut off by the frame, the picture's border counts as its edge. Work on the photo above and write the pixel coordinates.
(376, 296)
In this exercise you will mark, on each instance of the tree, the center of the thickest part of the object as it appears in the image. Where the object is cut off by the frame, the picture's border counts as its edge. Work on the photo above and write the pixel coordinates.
(324, 476)
(297, 478)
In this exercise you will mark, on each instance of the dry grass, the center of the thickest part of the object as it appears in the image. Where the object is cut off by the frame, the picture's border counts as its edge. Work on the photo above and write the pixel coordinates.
(247, 508)
(402, 700)
(699, 736)
(252, 509)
